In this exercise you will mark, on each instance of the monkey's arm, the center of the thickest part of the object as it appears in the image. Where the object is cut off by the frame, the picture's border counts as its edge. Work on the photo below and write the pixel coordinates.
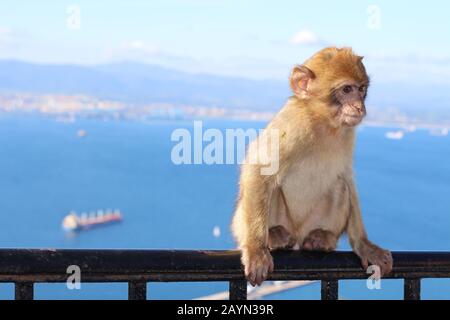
(259, 190)
(366, 250)
(256, 192)
(356, 232)
(259, 187)
(251, 220)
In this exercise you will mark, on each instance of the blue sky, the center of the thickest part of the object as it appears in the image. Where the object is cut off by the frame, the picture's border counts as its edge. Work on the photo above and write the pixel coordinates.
(257, 39)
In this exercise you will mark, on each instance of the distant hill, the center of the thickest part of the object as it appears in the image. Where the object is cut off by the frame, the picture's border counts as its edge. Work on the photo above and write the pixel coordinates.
(141, 83)
(138, 83)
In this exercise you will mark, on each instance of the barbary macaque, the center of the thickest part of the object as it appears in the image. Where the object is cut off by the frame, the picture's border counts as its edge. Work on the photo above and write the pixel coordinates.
(311, 199)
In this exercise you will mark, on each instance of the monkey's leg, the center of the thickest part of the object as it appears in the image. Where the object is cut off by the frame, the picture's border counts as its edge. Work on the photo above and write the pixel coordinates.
(281, 234)
(320, 240)
(280, 238)
(322, 228)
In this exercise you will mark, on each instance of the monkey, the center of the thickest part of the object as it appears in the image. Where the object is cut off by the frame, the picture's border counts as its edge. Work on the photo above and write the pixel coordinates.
(311, 200)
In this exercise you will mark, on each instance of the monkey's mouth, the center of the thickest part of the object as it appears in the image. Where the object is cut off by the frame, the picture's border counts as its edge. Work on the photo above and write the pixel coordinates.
(352, 119)
(354, 116)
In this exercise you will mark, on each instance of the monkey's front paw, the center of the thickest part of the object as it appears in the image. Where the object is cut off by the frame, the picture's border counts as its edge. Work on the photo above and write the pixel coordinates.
(374, 255)
(258, 263)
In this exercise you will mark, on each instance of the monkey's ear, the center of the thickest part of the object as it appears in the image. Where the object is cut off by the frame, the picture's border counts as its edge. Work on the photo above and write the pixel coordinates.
(300, 77)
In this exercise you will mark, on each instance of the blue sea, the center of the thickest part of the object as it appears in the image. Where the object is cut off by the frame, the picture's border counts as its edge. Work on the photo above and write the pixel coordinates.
(46, 170)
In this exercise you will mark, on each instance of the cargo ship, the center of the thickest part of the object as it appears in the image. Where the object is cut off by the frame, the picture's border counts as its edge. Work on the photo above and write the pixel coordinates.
(75, 222)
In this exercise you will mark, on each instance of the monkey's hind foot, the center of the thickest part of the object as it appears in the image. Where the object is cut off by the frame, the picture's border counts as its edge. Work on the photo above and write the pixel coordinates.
(280, 238)
(320, 240)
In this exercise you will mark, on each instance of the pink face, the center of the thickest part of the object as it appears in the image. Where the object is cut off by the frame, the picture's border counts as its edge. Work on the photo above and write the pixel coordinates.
(349, 98)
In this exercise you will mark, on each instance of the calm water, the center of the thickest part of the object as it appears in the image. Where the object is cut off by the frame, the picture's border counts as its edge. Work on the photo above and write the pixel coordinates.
(46, 171)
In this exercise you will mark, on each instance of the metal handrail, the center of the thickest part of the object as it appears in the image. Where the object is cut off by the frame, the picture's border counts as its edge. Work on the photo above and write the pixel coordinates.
(25, 267)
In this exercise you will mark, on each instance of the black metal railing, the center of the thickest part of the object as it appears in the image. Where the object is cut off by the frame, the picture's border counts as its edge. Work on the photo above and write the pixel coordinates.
(24, 267)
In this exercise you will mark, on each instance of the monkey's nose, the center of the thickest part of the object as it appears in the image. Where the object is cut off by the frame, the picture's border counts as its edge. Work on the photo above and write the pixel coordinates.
(359, 107)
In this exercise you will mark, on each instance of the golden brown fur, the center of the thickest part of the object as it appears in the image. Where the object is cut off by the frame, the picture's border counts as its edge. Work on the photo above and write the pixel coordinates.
(311, 200)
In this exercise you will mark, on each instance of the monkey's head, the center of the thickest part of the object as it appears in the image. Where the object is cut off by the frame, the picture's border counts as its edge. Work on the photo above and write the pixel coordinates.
(334, 82)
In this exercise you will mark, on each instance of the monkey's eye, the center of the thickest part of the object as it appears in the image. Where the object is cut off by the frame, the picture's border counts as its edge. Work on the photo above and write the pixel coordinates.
(347, 89)
(362, 88)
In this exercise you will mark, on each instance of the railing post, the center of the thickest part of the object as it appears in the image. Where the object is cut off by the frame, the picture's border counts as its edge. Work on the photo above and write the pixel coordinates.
(238, 290)
(24, 290)
(137, 290)
(329, 289)
(411, 289)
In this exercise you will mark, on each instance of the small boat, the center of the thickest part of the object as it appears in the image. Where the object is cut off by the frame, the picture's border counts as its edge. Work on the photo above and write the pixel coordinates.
(81, 133)
(74, 222)
(395, 135)
(439, 132)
